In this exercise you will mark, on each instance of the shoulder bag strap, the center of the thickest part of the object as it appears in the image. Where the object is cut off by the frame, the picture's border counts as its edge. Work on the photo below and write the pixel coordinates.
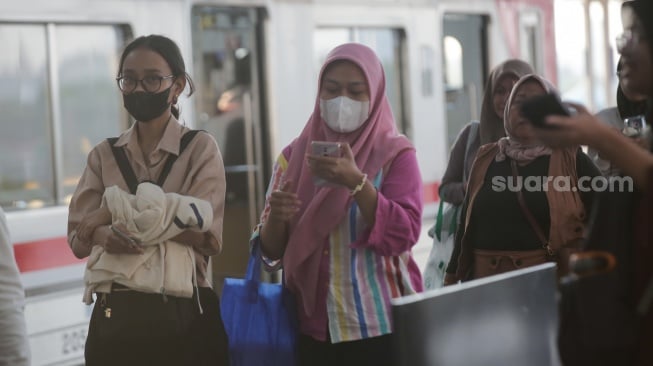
(185, 140)
(123, 163)
(531, 219)
(128, 173)
(473, 132)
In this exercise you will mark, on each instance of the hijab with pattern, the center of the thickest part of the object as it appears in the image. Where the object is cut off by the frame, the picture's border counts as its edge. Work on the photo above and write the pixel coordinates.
(374, 145)
(491, 125)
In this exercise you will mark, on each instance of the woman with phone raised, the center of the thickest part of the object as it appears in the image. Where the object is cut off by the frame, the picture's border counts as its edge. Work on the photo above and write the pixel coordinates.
(346, 246)
(536, 190)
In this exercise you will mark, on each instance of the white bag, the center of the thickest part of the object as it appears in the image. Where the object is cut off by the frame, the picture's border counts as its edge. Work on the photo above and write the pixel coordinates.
(444, 230)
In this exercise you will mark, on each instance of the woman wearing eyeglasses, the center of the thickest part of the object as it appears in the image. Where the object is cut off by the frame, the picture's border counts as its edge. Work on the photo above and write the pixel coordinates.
(629, 104)
(612, 314)
(131, 325)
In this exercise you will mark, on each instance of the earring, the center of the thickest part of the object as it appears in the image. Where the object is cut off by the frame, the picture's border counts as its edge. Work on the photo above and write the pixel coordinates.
(175, 99)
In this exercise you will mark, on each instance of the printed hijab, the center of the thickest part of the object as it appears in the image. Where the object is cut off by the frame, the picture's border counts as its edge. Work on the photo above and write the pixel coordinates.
(491, 125)
(322, 209)
(511, 147)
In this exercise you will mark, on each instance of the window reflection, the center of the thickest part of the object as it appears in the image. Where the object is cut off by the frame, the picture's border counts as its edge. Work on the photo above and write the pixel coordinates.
(91, 105)
(26, 172)
(87, 99)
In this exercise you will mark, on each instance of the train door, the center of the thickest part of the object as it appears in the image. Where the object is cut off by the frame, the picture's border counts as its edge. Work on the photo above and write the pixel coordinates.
(225, 55)
(464, 46)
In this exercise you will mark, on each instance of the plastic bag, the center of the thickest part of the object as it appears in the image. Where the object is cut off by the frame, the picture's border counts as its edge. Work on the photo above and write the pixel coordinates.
(443, 234)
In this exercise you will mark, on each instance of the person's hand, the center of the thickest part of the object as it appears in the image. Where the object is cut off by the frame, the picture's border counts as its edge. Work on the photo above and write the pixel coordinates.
(341, 171)
(119, 241)
(643, 142)
(583, 128)
(450, 279)
(86, 228)
(284, 203)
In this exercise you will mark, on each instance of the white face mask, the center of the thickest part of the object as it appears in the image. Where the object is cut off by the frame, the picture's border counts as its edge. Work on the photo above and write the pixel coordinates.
(343, 114)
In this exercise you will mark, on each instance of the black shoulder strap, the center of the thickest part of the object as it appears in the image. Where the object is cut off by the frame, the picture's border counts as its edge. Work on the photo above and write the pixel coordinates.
(127, 171)
(185, 140)
(123, 163)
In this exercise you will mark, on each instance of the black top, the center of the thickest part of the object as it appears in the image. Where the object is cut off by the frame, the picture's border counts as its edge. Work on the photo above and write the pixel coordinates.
(497, 221)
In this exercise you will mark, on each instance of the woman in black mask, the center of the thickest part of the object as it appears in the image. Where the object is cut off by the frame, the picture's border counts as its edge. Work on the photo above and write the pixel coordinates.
(146, 315)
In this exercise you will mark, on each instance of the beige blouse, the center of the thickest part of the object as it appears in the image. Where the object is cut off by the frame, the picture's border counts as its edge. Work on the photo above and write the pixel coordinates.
(198, 172)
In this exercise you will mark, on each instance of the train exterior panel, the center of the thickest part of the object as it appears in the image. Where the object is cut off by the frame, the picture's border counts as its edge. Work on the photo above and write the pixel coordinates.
(255, 66)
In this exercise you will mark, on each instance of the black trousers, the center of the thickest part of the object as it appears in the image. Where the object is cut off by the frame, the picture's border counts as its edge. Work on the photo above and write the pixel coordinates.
(145, 329)
(377, 351)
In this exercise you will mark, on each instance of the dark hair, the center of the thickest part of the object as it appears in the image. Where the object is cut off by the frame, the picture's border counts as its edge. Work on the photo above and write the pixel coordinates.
(628, 108)
(643, 10)
(168, 49)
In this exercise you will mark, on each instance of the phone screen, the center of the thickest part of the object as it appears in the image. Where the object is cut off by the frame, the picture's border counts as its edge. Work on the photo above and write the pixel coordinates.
(326, 148)
(536, 109)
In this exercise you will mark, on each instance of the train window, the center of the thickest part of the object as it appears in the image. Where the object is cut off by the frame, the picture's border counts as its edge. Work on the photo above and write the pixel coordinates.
(25, 165)
(58, 100)
(530, 39)
(453, 63)
(90, 104)
(388, 43)
(571, 52)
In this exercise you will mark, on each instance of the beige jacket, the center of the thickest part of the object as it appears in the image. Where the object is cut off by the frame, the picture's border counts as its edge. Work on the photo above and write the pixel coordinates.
(152, 217)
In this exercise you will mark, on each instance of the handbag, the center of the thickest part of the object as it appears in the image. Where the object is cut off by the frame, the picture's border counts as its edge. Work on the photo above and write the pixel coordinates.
(259, 318)
(446, 222)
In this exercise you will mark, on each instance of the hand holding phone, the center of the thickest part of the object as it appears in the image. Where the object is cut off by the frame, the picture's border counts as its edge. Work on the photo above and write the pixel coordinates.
(326, 148)
(536, 109)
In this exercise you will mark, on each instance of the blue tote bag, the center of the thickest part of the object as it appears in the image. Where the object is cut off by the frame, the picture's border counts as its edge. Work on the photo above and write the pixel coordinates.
(259, 319)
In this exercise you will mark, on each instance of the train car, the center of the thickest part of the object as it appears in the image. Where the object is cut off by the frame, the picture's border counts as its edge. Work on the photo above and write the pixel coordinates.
(255, 64)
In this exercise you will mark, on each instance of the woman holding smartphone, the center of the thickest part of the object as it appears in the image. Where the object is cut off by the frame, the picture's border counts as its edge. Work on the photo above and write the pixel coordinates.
(345, 246)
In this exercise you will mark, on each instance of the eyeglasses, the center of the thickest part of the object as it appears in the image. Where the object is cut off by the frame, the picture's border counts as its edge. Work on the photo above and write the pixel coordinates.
(150, 84)
(629, 37)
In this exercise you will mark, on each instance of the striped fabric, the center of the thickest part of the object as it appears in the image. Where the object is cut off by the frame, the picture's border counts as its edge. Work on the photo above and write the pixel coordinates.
(361, 281)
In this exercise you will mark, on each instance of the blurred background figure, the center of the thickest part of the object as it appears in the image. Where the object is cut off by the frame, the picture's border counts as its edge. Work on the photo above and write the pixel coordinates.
(629, 104)
(608, 320)
(488, 129)
(14, 348)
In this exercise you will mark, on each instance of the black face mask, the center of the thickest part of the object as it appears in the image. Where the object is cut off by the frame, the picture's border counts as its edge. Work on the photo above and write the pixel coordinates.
(146, 106)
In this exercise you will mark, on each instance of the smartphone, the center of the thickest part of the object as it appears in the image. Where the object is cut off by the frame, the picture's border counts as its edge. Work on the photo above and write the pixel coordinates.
(536, 109)
(123, 235)
(326, 148)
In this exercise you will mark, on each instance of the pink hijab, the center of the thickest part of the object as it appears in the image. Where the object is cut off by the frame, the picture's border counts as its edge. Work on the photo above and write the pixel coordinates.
(375, 144)
(511, 147)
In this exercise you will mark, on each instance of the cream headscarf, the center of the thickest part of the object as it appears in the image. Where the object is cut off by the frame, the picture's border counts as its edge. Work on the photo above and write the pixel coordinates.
(511, 146)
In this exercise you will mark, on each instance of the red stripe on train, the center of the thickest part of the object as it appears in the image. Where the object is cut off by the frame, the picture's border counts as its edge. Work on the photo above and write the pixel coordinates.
(44, 254)
(431, 192)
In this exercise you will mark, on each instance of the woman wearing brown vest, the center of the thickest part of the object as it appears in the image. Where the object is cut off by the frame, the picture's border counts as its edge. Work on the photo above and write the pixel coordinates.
(524, 204)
